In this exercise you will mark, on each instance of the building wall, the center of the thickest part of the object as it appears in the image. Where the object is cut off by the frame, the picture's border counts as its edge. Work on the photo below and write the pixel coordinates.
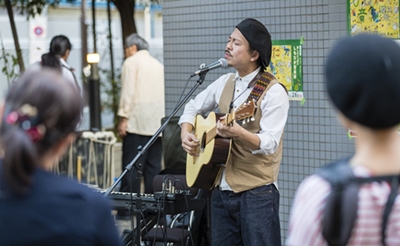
(196, 32)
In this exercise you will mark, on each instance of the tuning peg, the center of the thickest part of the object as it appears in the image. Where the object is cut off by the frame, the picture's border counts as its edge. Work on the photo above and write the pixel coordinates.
(244, 122)
(253, 119)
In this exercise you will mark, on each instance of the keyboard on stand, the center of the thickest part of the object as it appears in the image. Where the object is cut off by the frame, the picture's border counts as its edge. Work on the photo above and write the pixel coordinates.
(174, 202)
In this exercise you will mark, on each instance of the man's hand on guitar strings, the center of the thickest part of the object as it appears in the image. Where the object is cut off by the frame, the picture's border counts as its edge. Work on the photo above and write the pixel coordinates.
(190, 144)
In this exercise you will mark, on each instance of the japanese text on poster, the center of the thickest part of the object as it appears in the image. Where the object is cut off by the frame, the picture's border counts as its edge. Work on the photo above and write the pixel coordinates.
(287, 66)
(374, 17)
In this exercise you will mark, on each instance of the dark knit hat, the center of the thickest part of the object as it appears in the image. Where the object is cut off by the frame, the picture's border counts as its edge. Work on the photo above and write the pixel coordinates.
(363, 80)
(258, 37)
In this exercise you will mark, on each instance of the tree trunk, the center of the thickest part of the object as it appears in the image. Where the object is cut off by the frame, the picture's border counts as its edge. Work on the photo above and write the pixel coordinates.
(15, 36)
(113, 82)
(126, 9)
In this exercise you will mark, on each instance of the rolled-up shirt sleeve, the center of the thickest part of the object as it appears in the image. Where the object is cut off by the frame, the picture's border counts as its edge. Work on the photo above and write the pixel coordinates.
(274, 109)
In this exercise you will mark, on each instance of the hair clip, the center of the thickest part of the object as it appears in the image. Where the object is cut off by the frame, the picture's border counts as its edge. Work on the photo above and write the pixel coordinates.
(27, 118)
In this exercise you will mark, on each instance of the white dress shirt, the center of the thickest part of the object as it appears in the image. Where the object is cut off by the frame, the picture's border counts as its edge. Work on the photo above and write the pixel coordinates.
(67, 72)
(142, 93)
(274, 108)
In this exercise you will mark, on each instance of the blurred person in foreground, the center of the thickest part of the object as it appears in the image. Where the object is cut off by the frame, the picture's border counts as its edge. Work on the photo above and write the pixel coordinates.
(141, 109)
(363, 83)
(37, 207)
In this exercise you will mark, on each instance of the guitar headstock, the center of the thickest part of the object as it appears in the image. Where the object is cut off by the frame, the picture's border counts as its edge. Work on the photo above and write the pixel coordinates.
(245, 110)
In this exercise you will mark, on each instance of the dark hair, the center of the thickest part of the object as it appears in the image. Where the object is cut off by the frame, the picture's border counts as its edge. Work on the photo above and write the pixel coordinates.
(59, 109)
(58, 47)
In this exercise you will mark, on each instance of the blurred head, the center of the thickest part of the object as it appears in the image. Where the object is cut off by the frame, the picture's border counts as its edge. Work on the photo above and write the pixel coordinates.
(134, 43)
(363, 80)
(41, 110)
(59, 48)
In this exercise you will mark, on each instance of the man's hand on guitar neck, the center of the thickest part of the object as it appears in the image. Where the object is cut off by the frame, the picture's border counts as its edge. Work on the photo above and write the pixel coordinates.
(237, 132)
(189, 141)
(228, 131)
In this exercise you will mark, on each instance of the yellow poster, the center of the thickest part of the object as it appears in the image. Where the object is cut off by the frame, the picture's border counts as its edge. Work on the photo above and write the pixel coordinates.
(374, 17)
(281, 64)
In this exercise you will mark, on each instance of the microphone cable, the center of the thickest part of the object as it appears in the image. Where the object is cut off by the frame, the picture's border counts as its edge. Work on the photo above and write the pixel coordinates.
(131, 210)
(180, 97)
(251, 84)
(163, 197)
(187, 212)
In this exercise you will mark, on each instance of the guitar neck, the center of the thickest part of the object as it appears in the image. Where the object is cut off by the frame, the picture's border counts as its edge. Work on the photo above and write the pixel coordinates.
(213, 132)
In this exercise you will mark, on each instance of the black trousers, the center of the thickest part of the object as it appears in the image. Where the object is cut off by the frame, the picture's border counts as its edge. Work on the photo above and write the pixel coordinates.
(151, 161)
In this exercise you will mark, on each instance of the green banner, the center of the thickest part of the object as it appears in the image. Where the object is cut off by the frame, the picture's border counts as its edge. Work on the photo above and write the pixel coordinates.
(287, 66)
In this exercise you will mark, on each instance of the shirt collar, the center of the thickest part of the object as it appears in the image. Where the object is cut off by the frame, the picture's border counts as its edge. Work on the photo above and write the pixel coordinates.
(246, 79)
(64, 63)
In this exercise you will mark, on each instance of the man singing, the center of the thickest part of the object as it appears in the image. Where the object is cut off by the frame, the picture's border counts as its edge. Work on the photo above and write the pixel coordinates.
(245, 201)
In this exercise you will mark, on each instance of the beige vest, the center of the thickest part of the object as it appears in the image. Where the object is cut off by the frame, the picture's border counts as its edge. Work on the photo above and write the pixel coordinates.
(244, 170)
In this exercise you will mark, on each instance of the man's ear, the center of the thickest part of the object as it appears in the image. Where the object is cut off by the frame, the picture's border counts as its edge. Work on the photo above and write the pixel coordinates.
(255, 56)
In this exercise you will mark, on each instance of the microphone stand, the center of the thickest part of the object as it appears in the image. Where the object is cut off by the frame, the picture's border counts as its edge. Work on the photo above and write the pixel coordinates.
(138, 166)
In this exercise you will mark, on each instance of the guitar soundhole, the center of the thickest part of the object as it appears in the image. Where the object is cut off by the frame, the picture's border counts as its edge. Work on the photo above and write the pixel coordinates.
(203, 142)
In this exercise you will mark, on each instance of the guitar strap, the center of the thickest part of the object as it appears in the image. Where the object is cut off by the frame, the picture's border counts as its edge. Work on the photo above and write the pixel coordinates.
(260, 83)
(264, 78)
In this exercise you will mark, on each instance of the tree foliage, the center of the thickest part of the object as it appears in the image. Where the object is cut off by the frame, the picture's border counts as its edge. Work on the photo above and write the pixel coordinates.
(126, 9)
(33, 7)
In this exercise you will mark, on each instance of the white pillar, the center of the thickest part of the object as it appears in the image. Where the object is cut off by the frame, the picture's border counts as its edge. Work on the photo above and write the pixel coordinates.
(147, 23)
(38, 43)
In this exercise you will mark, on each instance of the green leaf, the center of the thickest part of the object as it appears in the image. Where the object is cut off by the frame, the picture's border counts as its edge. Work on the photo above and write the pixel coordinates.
(303, 101)
(349, 135)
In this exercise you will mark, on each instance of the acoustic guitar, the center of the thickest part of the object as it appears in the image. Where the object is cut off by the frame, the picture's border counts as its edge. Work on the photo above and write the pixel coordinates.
(213, 150)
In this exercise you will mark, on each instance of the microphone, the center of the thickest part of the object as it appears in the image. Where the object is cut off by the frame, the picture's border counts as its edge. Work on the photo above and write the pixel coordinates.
(222, 62)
